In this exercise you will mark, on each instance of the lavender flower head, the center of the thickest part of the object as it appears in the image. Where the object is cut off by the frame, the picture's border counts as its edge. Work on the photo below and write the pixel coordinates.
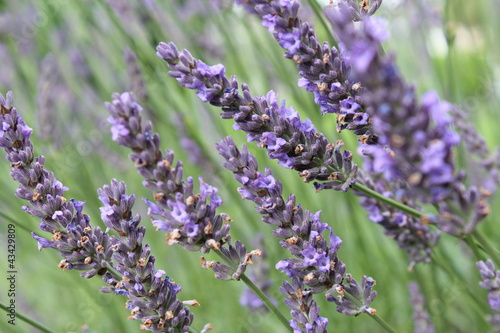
(428, 139)
(152, 296)
(82, 247)
(292, 142)
(312, 242)
(323, 69)
(491, 282)
(190, 219)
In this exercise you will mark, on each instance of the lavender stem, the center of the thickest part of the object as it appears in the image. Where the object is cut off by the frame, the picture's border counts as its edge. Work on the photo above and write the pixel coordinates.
(318, 12)
(394, 203)
(28, 320)
(487, 247)
(267, 302)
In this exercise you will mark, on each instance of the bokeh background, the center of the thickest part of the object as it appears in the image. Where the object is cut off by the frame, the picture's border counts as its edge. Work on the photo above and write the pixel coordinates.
(63, 59)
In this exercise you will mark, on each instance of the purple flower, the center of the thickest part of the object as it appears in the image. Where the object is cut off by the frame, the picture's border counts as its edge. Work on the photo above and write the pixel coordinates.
(178, 210)
(118, 130)
(151, 295)
(290, 41)
(189, 218)
(313, 257)
(304, 310)
(363, 293)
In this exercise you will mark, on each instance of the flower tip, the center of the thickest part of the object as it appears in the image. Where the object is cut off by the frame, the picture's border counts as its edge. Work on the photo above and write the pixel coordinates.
(192, 303)
(206, 328)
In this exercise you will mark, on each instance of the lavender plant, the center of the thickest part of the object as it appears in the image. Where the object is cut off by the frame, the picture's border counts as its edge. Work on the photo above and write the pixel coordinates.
(122, 261)
(322, 68)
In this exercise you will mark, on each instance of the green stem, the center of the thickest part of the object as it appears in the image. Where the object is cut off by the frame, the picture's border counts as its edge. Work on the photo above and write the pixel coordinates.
(486, 246)
(443, 261)
(114, 272)
(474, 247)
(318, 11)
(267, 302)
(28, 320)
(379, 320)
(476, 235)
(396, 204)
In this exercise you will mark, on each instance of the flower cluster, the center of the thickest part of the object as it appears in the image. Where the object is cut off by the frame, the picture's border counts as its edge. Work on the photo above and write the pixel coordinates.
(416, 139)
(152, 297)
(82, 247)
(328, 74)
(304, 310)
(412, 234)
(294, 143)
(190, 219)
(364, 294)
(312, 242)
(408, 144)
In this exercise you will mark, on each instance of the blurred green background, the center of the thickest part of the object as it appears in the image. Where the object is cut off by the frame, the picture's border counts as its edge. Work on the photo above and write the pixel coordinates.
(63, 59)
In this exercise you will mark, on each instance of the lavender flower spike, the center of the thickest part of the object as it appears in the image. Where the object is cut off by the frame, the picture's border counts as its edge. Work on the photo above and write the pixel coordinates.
(324, 70)
(81, 246)
(189, 218)
(312, 242)
(416, 140)
(294, 143)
